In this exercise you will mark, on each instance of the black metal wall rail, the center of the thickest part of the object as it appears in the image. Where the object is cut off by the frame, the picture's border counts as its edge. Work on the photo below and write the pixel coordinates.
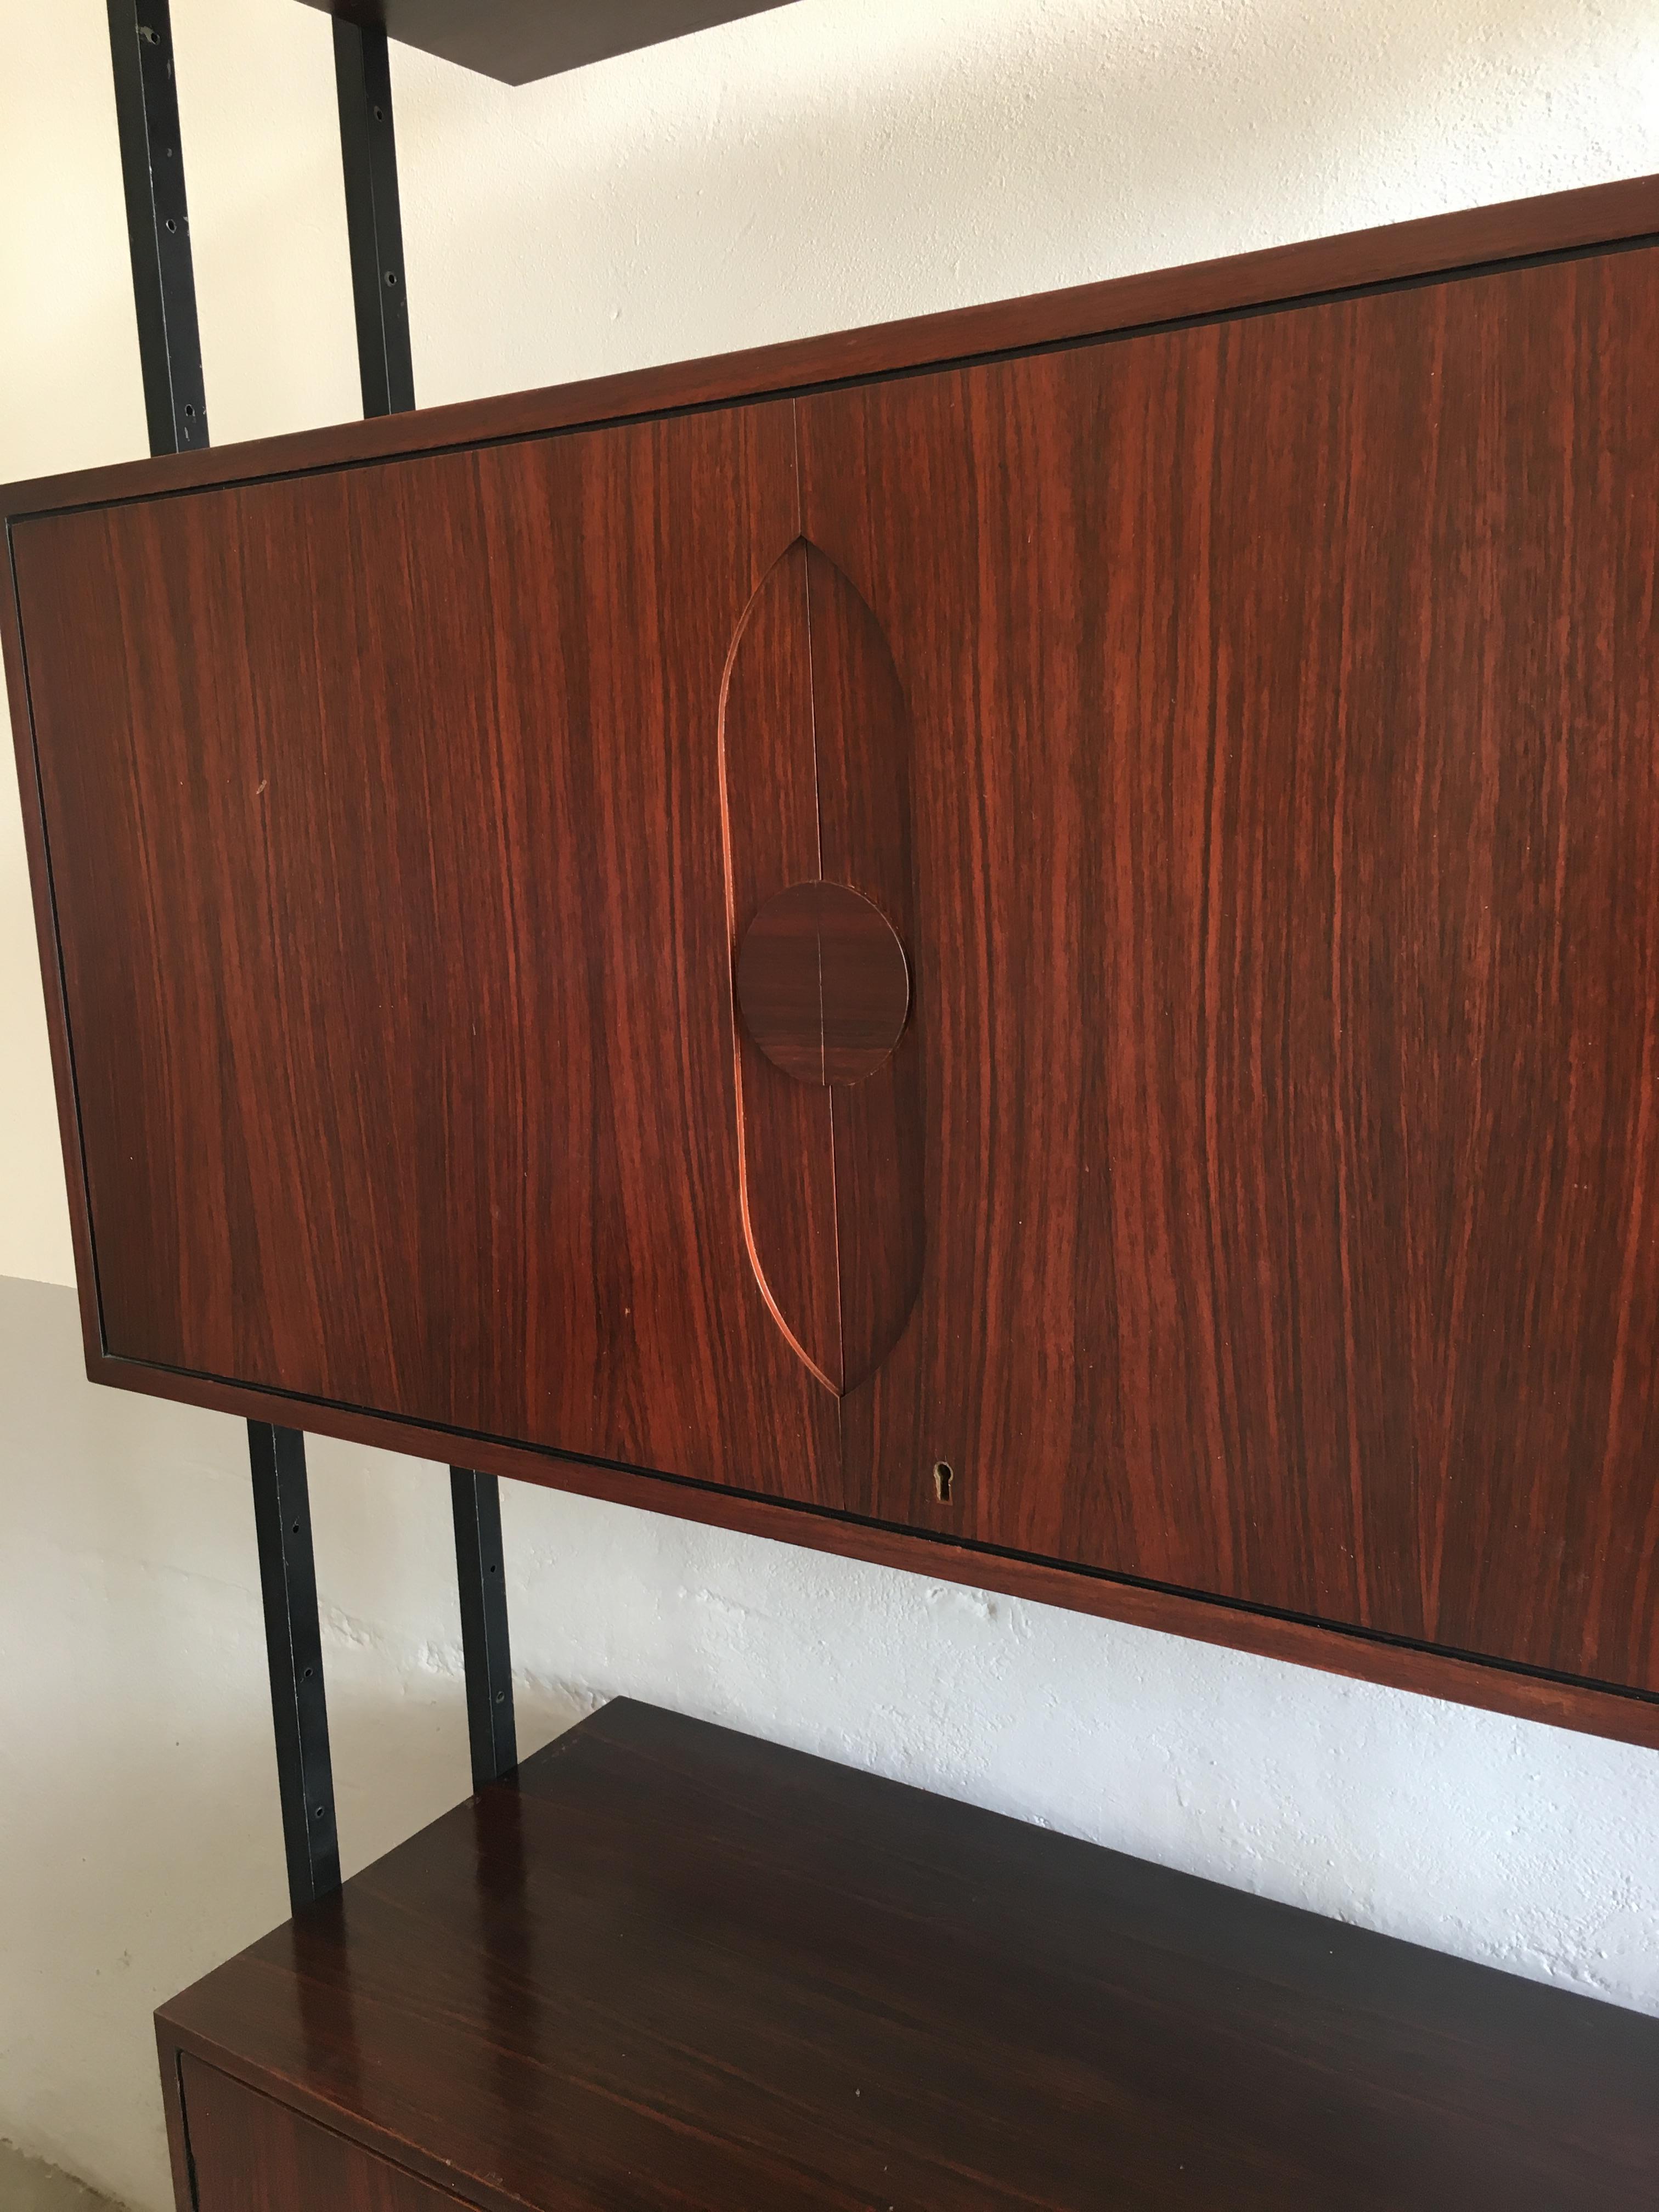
(158, 224)
(175, 399)
(368, 152)
(481, 1573)
(294, 1650)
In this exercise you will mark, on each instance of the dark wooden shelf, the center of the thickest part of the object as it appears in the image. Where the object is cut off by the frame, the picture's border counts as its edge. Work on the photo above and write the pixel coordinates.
(669, 1966)
(520, 40)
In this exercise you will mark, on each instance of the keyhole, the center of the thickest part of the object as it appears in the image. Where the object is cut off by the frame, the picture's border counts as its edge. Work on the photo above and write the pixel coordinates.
(942, 1480)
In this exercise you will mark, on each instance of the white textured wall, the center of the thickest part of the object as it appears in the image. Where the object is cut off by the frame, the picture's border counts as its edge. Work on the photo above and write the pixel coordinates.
(840, 162)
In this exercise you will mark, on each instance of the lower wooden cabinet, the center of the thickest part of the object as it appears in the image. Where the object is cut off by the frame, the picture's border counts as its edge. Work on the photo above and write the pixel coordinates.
(666, 1965)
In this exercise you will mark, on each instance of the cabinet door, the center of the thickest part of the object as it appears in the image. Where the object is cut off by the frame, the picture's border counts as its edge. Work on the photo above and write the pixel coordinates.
(384, 814)
(1285, 810)
(249, 2153)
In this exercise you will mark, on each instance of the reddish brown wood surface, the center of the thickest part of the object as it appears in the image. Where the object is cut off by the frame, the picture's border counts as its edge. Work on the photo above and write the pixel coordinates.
(770, 828)
(822, 985)
(667, 1965)
(863, 747)
(1288, 828)
(253, 2154)
(815, 788)
(388, 875)
(1276, 695)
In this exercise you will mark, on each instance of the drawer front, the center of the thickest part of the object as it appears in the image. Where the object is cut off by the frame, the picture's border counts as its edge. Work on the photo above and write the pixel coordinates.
(253, 2154)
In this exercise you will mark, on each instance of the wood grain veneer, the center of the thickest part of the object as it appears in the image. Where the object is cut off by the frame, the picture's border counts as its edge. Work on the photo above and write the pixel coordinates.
(1243, 724)
(250, 2153)
(822, 984)
(667, 1965)
(815, 745)
(427, 948)
(1288, 813)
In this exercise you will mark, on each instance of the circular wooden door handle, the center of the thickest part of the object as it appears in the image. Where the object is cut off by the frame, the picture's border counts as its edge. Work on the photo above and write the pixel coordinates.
(822, 983)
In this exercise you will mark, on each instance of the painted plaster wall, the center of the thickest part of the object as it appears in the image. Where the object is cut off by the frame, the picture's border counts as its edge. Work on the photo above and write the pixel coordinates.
(840, 161)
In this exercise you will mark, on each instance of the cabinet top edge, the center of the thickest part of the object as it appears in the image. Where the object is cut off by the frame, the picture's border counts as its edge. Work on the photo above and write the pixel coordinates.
(1468, 241)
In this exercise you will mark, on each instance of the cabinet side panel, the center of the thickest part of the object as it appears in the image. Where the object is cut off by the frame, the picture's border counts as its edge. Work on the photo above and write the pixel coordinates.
(1288, 852)
(46, 929)
(384, 808)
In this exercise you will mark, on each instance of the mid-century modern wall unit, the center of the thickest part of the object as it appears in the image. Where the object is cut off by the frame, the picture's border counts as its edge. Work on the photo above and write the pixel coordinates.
(1026, 945)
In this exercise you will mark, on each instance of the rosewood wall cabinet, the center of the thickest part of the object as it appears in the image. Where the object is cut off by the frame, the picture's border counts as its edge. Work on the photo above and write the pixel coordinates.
(1028, 944)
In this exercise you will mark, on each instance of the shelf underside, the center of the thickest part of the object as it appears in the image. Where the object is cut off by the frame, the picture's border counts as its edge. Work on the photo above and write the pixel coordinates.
(517, 41)
(668, 1964)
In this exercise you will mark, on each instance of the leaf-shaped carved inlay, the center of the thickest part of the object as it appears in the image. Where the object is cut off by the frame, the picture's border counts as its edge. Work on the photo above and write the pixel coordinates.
(814, 746)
